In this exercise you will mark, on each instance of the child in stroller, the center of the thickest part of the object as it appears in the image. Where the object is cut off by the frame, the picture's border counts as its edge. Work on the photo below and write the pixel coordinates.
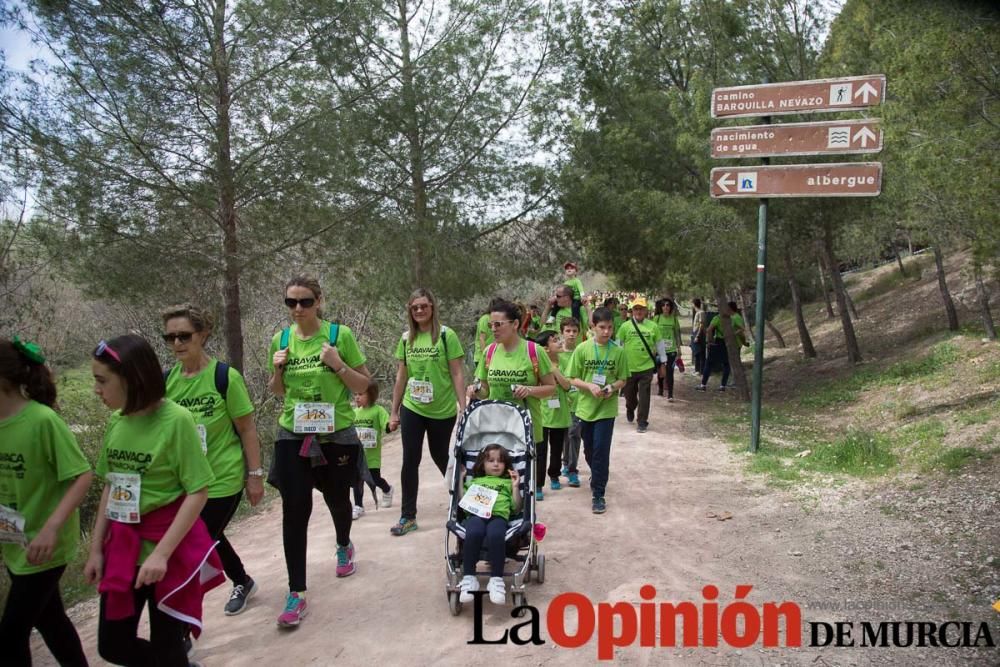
(490, 495)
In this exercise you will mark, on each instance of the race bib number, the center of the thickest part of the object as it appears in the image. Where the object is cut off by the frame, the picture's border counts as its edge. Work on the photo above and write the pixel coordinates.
(479, 500)
(599, 379)
(314, 418)
(123, 497)
(553, 403)
(12, 527)
(421, 392)
(203, 434)
(368, 437)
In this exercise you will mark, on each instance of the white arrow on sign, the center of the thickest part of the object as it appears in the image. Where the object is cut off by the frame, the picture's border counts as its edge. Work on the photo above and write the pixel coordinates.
(722, 182)
(865, 91)
(865, 134)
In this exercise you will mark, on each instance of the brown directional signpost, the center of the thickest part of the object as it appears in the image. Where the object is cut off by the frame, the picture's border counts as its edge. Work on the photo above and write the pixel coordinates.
(843, 179)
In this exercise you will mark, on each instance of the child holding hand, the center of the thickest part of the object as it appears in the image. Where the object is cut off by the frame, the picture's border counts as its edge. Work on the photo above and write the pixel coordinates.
(491, 494)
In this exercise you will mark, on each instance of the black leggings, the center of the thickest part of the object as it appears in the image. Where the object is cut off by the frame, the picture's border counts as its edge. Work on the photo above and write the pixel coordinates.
(297, 479)
(359, 488)
(412, 428)
(119, 643)
(671, 360)
(217, 514)
(554, 437)
(34, 601)
(492, 531)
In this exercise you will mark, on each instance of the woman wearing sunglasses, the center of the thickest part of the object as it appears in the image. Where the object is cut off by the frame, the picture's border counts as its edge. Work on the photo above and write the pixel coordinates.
(428, 388)
(149, 545)
(43, 480)
(514, 369)
(316, 366)
(217, 397)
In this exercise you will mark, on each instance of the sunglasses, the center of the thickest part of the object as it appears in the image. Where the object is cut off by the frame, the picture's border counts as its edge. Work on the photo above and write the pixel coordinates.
(417, 307)
(308, 302)
(103, 348)
(497, 325)
(170, 338)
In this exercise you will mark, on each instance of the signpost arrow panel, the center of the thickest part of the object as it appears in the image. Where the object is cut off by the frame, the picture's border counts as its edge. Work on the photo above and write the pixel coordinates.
(847, 179)
(848, 136)
(776, 99)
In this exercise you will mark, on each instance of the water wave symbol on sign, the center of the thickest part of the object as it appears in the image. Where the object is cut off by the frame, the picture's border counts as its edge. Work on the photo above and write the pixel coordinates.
(838, 136)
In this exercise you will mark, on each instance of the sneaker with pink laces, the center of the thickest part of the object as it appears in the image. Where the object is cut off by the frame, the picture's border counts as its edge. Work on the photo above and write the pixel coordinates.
(295, 611)
(345, 560)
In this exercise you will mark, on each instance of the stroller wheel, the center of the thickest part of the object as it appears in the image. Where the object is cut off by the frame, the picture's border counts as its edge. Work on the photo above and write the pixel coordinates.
(518, 599)
(540, 568)
(454, 605)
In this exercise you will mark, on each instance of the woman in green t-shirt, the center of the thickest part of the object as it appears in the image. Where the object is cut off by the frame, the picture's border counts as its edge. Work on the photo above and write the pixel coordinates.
(43, 479)
(219, 401)
(153, 466)
(670, 331)
(426, 397)
(518, 371)
(316, 367)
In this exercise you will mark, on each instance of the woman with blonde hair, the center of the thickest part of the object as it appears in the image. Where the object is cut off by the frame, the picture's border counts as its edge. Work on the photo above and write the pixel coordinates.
(426, 397)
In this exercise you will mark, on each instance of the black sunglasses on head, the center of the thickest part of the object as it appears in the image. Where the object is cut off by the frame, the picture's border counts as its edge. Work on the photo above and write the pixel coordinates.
(308, 302)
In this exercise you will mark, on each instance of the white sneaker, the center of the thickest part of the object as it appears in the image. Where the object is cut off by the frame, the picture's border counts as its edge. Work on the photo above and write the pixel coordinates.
(357, 512)
(498, 593)
(387, 497)
(468, 584)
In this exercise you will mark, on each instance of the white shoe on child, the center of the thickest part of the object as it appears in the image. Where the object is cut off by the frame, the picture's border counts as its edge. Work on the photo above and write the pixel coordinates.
(387, 497)
(357, 512)
(468, 584)
(498, 593)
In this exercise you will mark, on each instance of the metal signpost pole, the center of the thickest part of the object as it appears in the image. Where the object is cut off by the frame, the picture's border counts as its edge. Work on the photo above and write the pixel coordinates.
(758, 343)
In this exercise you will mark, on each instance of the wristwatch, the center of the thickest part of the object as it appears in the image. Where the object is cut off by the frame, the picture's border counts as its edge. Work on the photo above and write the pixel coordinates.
(259, 472)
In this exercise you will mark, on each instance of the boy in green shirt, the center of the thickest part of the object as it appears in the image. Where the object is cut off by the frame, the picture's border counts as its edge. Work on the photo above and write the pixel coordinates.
(599, 369)
(571, 452)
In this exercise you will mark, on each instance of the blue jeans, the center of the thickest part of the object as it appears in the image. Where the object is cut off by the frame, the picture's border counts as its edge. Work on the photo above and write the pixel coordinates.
(716, 354)
(597, 452)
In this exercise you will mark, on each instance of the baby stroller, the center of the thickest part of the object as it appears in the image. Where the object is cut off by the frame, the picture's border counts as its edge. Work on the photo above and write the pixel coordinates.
(484, 423)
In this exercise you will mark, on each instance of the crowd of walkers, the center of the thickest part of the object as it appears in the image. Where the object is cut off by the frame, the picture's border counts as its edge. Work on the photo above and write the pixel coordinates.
(181, 449)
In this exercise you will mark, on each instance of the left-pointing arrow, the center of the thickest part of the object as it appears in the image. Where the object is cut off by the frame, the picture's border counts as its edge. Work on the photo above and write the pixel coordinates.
(723, 182)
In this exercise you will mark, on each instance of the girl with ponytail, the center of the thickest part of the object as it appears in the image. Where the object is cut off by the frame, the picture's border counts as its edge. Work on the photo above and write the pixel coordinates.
(43, 479)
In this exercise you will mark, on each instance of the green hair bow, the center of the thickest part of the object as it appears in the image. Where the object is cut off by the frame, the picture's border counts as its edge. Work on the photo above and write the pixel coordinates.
(29, 350)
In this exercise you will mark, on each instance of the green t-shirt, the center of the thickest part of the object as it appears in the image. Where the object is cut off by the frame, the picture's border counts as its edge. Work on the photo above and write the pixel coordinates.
(509, 368)
(39, 460)
(556, 416)
(308, 380)
(224, 447)
(482, 327)
(164, 449)
(736, 321)
(554, 323)
(373, 417)
(425, 362)
(638, 358)
(574, 394)
(617, 320)
(504, 486)
(610, 361)
(576, 286)
(670, 330)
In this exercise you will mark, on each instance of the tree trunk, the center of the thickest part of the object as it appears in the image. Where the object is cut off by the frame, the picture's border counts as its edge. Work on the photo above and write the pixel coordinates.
(850, 301)
(949, 304)
(422, 237)
(909, 242)
(826, 291)
(895, 252)
(774, 331)
(749, 313)
(808, 351)
(733, 350)
(853, 350)
(228, 219)
(984, 301)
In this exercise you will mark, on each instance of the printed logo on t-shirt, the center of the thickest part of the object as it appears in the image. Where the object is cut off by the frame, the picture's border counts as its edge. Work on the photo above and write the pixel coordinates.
(12, 463)
(203, 407)
(126, 459)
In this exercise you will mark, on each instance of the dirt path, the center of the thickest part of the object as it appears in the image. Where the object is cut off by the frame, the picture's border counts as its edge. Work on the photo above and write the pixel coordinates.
(657, 531)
